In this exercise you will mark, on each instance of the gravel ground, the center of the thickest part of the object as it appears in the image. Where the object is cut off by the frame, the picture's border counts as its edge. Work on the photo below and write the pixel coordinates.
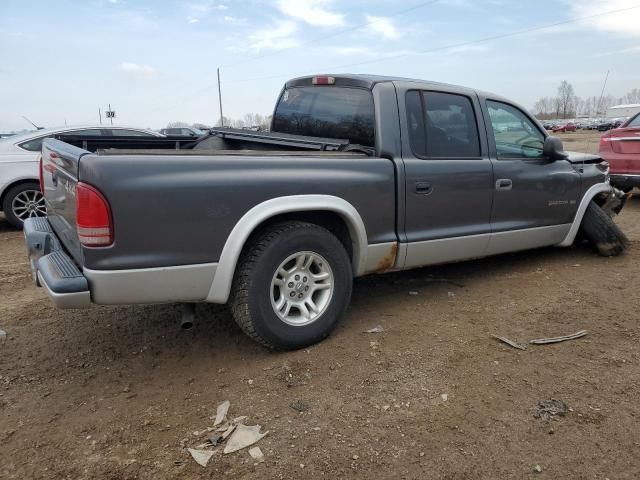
(117, 392)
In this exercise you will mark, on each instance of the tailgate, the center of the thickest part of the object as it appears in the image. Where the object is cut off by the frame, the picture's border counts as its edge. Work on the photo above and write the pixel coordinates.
(60, 162)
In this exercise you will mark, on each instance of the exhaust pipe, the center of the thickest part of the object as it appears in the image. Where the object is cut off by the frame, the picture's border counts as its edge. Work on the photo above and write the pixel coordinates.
(188, 316)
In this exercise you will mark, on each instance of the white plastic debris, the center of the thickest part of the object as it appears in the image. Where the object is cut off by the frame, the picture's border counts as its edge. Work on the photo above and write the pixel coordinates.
(444, 397)
(228, 431)
(3, 336)
(221, 413)
(242, 437)
(201, 457)
(256, 454)
(376, 329)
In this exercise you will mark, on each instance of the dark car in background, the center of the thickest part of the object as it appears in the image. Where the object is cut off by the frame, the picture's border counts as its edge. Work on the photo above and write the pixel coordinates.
(183, 132)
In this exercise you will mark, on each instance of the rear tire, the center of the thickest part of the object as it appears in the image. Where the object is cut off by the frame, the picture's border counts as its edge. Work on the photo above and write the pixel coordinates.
(292, 285)
(602, 232)
(23, 201)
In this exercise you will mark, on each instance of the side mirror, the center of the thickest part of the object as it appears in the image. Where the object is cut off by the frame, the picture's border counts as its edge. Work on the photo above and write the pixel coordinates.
(553, 149)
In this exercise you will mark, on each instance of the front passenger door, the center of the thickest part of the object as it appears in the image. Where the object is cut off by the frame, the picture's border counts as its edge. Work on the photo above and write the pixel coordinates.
(531, 191)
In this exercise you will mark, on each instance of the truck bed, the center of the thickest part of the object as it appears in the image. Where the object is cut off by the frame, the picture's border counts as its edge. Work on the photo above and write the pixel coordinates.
(219, 139)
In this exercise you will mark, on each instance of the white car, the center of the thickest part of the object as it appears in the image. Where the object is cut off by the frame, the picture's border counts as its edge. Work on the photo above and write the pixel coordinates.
(20, 196)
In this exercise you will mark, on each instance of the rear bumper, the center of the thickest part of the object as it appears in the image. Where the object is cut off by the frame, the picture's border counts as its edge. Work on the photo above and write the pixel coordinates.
(52, 268)
(624, 180)
(69, 287)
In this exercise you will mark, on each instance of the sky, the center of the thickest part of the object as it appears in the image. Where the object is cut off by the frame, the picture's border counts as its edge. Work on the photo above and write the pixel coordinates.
(155, 61)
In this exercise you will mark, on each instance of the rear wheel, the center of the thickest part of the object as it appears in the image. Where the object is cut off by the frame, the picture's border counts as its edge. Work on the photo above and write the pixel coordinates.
(23, 201)
(602, 232)
(292, 285)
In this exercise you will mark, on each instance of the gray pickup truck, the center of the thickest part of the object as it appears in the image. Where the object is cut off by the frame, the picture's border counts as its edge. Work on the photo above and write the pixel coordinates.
(359, 174)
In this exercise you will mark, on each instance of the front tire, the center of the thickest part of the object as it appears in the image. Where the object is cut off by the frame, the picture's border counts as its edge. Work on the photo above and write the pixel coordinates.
(292, 285)
(23, 201)
(602, 232)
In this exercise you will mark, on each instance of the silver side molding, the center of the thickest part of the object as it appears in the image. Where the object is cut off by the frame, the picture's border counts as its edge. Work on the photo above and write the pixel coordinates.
(183, 283)
(221, 286)
(445, 250)
(594, 190)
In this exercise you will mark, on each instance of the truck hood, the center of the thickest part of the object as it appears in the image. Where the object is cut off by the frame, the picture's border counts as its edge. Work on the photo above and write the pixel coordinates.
(577, 157)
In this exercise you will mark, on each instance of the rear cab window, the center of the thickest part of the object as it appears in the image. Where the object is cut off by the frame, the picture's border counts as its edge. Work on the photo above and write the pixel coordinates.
(344, 113)
(442, 125)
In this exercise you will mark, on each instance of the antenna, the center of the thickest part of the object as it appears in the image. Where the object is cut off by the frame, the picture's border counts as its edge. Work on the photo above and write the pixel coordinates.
(220, 100)
(36, 126)
(602, 93)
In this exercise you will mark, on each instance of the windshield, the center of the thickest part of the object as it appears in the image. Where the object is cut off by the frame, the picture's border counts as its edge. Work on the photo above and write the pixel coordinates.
(331, 112)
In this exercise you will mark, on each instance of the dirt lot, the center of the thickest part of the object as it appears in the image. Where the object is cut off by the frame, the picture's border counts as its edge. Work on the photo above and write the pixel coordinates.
(113, 392)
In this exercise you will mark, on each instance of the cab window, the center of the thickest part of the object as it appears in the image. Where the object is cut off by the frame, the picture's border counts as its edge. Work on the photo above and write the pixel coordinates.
(331, 112)
(442, 125)
(516, 136)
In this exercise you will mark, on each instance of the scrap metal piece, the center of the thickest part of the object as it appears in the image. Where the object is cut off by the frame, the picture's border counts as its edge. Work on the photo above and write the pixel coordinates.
(510, 342)
(542, 341)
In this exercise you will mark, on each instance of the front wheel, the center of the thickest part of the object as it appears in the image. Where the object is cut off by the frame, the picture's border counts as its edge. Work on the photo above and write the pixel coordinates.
(292, 285)
(602, 232)
(23, 201)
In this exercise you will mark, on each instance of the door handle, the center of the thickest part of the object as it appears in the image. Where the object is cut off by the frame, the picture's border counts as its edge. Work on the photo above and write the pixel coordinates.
(504, 184)
(423, 188)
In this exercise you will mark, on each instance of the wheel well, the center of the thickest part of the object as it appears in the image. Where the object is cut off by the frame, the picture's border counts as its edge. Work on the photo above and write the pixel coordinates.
(323, 218)
(15, 184)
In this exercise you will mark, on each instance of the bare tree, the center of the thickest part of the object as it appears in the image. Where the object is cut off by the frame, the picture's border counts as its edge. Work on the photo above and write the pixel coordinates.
(177, 124)
(631, 97)
(566, 99)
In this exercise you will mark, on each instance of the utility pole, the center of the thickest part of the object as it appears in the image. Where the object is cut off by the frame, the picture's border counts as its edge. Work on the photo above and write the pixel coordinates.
(100, 115)
(602, 93)
(220, 99)
(112, 114)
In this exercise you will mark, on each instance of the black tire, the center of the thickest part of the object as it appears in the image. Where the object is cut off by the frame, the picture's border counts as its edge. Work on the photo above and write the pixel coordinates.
(7, 202)
(251, 302)
(602, 232)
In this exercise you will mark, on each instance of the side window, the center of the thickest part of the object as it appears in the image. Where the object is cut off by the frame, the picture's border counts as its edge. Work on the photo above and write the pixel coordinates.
(32, 145)
(442, 125)
(635, 122)
(118, 132)
(85, 133)
(515, 134)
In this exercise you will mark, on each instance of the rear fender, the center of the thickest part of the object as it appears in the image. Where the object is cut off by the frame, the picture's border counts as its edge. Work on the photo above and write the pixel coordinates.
(221, 286)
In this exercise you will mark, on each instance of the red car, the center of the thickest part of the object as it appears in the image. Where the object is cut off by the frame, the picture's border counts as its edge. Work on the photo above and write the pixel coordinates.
(621, 148)
(567, 127)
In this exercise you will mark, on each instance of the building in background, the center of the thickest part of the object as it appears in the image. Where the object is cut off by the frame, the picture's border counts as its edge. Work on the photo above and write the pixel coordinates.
(623, 110)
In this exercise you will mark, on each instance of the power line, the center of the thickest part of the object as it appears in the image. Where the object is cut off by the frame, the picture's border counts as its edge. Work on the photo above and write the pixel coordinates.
(451, 46)
(331, 35)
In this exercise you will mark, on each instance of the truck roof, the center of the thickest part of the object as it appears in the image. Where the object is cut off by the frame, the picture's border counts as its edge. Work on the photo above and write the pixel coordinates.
(369, 81)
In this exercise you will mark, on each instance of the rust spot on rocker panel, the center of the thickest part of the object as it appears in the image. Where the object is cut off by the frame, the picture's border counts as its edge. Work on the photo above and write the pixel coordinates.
(389, 260)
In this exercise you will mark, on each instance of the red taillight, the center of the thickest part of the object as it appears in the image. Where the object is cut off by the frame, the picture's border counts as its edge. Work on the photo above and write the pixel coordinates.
(605, 143)
(41, 172)
(323, 81)
(93, 217)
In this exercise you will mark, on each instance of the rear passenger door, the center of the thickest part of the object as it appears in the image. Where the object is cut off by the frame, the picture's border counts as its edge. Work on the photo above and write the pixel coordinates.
(448, 176)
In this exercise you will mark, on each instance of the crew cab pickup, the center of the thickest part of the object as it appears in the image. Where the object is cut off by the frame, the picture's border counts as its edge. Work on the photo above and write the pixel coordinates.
(359, 174)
